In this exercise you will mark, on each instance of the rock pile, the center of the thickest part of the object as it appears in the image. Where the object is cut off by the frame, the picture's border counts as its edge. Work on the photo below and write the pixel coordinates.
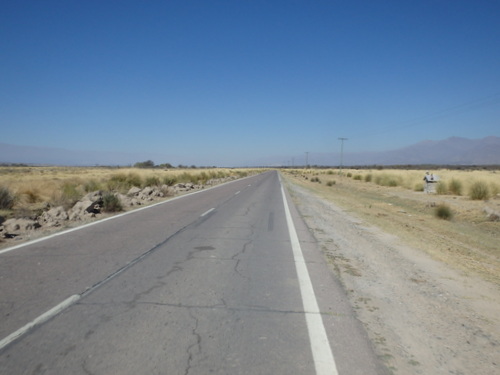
(91, 206)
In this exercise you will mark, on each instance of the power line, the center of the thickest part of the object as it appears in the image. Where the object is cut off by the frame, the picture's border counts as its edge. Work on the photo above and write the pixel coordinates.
(461, 108)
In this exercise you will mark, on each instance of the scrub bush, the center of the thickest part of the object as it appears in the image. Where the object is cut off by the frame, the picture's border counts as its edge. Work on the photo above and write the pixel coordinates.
(444, 212)
(7, 199)
(479, 191)
(111, 203)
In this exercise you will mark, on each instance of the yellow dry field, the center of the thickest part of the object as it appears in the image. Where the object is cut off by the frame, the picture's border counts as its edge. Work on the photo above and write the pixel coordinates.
(469, 241)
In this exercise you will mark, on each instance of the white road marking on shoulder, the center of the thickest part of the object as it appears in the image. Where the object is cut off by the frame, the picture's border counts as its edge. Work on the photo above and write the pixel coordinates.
(207, 212)
(40, 320)
(237, 192)
(320, 346)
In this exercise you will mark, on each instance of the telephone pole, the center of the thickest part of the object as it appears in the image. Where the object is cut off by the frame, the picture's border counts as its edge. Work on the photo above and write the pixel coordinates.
(341, 152)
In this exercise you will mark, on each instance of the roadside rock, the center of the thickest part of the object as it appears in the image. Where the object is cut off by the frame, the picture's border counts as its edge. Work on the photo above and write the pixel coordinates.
(53, 217)
(129, 200)
(134, 191)
(20, 225)
(90, 206)
(87, 207)
(492, 214)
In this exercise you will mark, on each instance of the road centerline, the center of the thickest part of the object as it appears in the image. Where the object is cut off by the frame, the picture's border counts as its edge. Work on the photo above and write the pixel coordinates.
(207, 212)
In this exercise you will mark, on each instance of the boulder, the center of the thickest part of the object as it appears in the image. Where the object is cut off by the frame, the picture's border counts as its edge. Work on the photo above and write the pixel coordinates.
(128, 201)
(149, 193)
(87, 207)
(134, 191)
(53, 217)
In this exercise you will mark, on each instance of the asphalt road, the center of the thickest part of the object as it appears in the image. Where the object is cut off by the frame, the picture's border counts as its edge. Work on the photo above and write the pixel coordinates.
(224, 281)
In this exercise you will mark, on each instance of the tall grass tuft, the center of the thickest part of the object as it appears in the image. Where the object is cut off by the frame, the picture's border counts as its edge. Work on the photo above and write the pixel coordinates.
(444, 212)
(455, 187)
(111, 203)
(479, 191)
(418, 187)
(387, 180)
(441, 188)
(122, 182)
(7, 199)
(91, 185)
(151, 181)
(169, 180)
(31, 195)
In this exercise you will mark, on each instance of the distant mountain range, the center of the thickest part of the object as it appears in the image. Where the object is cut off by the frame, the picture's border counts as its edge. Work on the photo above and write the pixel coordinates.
(451, 151)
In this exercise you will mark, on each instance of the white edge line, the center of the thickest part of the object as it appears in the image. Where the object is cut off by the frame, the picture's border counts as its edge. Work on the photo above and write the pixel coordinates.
(111, 218)
(40, 320)
(320, 346)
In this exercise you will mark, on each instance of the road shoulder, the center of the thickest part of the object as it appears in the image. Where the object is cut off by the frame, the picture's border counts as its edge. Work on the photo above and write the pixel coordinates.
(422, 316)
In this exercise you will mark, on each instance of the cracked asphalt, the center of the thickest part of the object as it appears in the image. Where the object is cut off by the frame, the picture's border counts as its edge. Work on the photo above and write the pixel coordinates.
(169, 291)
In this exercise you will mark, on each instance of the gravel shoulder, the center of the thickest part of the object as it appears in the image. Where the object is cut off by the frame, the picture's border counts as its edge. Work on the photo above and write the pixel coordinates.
(423, 315)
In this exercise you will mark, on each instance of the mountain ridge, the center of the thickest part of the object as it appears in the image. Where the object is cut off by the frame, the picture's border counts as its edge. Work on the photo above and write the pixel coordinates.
(449, 151)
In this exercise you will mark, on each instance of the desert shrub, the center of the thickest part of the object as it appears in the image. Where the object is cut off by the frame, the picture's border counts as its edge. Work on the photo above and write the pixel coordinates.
(31, 195)
(357, 177)
(117, 182)
(441, 188)
(70, 192)
(387, 180)
(66, 196)
(316, 179)
(494, 189)
(349, 174)
(133, 179)
(330, 172)
(111, 203)
(479, 191)
(222, 174)
(443, 211)
(7, 199)
(123, 182)
(455, 187)
(169, 180)
(368, 177)
(331, 183)
(151, 181)
(188, 177)
(91, 185)
(419, 187)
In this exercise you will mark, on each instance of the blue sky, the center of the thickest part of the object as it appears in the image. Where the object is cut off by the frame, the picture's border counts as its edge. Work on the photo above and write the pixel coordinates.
(233, 83)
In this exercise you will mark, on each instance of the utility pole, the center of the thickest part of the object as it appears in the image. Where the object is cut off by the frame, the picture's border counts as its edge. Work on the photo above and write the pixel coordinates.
(341, 152)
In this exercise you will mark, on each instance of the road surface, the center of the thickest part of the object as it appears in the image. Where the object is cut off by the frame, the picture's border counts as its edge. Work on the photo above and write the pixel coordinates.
(225, 281)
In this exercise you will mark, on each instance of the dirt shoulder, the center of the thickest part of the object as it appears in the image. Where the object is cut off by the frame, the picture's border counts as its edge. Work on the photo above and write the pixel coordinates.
(426, 289)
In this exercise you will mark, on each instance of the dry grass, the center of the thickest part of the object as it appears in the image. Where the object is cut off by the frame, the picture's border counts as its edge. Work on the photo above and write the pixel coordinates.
(469, 241)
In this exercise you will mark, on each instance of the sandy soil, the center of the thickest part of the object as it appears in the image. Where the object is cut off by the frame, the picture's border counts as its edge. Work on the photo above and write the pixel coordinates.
(422, 315)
